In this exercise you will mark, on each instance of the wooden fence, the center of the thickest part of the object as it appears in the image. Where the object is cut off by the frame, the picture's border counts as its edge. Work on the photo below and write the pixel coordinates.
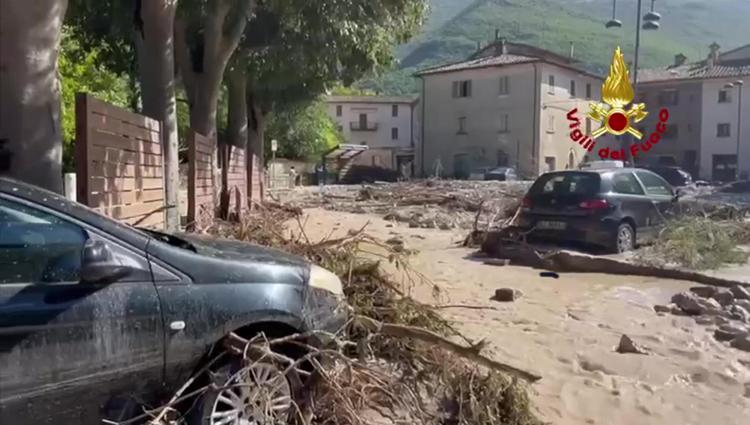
(119, 163)
(201, 181)
(237, 182)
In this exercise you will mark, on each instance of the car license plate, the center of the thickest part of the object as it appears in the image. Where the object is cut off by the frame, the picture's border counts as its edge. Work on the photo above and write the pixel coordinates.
(551, 225)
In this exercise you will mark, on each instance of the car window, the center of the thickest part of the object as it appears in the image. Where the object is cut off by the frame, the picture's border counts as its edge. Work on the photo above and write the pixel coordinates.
(626, 183)
(654, 184)
(37, 247)
(566, 184)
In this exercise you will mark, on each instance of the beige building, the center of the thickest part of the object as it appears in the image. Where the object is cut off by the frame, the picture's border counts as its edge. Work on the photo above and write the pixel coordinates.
(386, 124)
(705, 113)
(506, 105)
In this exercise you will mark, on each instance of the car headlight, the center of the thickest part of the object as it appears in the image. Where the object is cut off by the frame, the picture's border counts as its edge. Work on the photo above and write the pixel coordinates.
(323, 279)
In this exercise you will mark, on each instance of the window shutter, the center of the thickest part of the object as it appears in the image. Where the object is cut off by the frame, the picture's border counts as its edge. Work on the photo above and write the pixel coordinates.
(455, 89)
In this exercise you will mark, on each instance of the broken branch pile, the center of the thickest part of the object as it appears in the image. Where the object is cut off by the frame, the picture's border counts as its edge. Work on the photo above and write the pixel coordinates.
(443, 204)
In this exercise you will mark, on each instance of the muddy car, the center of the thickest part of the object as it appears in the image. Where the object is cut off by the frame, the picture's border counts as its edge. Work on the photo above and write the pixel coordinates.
(614, 208)
(98, 318)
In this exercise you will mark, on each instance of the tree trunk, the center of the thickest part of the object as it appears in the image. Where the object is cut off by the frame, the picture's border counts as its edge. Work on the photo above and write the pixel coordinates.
(221, 37)
(255, 143)
(155, 47)
(237, 126)
(30, 110)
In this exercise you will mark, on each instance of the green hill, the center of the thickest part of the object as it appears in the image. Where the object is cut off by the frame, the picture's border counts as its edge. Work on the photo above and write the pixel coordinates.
(454, 28)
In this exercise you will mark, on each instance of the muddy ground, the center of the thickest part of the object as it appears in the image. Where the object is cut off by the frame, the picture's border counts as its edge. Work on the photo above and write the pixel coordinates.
(566, 329)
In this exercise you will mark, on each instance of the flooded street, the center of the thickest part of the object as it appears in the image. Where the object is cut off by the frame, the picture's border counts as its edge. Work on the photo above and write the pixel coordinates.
(566, 329)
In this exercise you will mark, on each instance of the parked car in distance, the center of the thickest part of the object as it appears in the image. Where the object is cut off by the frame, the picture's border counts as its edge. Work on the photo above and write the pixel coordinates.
(613, 208)
(95, 314)
(675, 176)
(501, 174)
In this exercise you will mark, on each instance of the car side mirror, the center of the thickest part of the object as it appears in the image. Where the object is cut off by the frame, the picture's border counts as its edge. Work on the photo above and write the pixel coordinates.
(99, 266)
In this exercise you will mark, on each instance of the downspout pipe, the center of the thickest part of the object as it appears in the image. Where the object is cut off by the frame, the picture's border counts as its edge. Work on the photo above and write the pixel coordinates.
(422, 135)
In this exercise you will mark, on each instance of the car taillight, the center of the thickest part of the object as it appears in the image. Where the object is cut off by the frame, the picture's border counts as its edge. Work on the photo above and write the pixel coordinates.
(594, 204)
(526, 203)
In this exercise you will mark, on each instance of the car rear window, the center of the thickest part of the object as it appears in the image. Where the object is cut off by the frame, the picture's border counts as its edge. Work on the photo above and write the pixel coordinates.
(562, 184)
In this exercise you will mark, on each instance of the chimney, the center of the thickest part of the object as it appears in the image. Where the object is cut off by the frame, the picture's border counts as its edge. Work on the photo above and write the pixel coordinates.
(679, 59)
(572, 50)
(713, 56)
(503, 46)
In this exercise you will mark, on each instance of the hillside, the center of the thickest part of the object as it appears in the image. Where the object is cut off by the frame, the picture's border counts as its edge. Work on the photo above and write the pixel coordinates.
(456, 26)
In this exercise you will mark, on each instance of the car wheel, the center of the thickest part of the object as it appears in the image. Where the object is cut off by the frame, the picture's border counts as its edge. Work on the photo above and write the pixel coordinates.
(246, 395)
(624, 238)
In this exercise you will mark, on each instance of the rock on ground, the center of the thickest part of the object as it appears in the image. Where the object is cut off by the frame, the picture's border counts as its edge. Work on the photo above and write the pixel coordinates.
(506, 295)
(704, 291)
(741, 342)
(723, 297)
(730, 331)
(740, 292)
(627, 345)
(692, 305)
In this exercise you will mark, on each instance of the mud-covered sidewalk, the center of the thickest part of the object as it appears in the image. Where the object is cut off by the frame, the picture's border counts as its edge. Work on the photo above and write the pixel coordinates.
(566, 329)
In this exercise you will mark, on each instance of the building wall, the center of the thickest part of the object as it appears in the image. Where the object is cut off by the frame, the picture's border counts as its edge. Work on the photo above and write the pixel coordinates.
(383, 148)
(715, 113)
(554, 126)
(685, 115)
(484, 112)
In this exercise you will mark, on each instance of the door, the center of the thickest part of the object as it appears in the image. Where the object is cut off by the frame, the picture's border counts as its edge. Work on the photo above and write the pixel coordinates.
(633, 203)
(71, 353)
(661, 196)
(363, 122)
(461, 166)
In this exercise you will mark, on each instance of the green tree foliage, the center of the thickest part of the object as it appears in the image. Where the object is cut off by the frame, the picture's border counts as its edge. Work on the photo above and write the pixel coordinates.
(303, 131)
(82, 70)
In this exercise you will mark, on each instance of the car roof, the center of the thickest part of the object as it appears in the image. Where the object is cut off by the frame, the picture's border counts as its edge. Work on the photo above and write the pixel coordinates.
(598, 170)
(78, 211)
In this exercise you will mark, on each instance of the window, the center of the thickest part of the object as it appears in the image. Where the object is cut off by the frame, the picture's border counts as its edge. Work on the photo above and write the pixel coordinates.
(394, 110)
(341, 128)
(723, 130)
(339, 110)
(588, 126)
(671, 131)
(572, 88)
(504, 123)
(394, 133)
(462, 125)
(588, 90)
(551, 84)
(724, 96)
(551, 124)
(566, 183)
(627, 184)
(462, 88)
(669, 97)
(504, 85)
(36, 247)
(654, 184)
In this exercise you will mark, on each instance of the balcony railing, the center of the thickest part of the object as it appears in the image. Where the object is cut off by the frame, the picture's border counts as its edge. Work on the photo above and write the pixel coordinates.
(363, 126)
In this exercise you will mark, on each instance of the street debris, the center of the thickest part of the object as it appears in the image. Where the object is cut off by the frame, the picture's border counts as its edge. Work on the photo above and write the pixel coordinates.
(396, 358)
(628, 346)
(431, 204)
(712, 306)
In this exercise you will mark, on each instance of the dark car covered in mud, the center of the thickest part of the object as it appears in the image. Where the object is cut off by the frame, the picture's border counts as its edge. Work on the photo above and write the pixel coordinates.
(613, 208)
(98, 318)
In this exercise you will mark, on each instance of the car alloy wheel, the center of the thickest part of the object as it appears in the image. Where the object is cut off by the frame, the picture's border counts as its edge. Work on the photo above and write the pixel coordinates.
(255, 395)
(625, 238)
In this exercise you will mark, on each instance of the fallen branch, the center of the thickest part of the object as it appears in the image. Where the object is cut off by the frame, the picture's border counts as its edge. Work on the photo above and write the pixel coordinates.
(469, 353)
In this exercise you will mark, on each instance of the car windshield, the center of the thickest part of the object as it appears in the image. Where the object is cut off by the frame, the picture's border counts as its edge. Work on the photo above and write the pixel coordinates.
(566, 184)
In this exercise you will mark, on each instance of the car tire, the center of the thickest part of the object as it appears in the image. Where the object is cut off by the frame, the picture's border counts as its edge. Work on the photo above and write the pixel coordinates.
(624, 238)
(237, 395)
